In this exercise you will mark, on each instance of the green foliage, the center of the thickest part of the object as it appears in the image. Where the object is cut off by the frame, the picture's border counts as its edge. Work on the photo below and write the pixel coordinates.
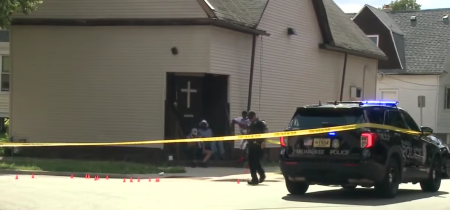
(8, 7)
(405, 5)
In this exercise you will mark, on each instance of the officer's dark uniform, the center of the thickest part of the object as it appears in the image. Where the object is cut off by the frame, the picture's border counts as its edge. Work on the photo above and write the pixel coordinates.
(255, 152)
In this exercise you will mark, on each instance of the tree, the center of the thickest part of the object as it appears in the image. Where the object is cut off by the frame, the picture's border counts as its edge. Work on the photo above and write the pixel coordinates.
(8, 7)
(404, 5)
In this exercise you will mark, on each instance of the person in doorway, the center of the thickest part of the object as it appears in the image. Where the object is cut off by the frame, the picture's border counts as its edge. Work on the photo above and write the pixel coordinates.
(198, 150)
(243, 122)
(255, 149)
(217, 147)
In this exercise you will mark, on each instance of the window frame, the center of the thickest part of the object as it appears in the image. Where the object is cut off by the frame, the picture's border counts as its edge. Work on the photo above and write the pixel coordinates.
(389, 90)
(4, 73)
(446, 94)
(375, 36)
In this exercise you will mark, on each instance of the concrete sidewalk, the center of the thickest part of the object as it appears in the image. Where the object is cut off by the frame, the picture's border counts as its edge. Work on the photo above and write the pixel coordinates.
(208, 174)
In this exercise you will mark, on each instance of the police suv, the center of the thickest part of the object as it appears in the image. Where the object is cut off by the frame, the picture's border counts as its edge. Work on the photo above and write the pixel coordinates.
(383, 156)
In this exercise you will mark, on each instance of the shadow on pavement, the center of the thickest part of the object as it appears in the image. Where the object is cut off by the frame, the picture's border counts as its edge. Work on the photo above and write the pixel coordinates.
(360, 197)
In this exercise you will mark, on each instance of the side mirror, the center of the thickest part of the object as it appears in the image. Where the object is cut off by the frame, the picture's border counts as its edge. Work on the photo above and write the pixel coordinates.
(426, 130)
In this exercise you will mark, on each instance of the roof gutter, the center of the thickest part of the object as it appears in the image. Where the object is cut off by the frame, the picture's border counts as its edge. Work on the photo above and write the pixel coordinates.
(137, 22)
(351, 52)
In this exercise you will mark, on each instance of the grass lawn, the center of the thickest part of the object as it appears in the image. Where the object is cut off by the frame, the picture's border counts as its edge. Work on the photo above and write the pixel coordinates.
(62, 165)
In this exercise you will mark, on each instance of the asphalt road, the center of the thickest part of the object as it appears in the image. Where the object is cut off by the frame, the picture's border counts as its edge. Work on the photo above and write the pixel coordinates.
(61, 193)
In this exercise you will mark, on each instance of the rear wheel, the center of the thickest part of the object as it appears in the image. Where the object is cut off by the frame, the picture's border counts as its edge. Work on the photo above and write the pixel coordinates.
(388, 187)
(349, 187)
(433, 183)
(296, 188)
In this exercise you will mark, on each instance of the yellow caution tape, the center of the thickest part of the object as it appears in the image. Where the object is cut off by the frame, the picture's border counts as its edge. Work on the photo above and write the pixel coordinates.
(222, 138)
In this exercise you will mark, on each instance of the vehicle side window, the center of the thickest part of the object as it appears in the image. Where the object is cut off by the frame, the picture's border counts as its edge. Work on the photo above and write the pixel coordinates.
(410, 121)
(395, 119)
(376, 115)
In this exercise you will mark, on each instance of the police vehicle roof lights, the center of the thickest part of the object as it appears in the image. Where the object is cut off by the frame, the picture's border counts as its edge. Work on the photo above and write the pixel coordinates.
(373, 103)
(380, 103)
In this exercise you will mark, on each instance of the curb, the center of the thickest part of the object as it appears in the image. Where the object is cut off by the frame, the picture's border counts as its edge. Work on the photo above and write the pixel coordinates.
(121, 176)
(82, 175)
(246, 179)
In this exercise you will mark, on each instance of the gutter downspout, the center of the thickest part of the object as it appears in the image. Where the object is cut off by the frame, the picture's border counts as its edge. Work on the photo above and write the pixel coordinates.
(252, 67)
(364, 82)
(343, 76)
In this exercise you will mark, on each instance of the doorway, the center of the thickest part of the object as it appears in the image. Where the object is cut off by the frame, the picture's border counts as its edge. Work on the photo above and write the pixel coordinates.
(192, 97)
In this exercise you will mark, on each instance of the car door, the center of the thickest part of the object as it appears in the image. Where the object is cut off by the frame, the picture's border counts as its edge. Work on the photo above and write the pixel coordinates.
(396, 119)
(419, 144)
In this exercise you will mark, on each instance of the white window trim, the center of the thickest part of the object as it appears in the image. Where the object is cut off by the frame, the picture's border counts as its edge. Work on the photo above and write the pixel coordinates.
(447, 87)
(376, 36)
(389, 90)
(1, 73)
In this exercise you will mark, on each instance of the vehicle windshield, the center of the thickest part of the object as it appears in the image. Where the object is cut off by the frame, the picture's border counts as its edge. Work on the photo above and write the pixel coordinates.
(309, 118)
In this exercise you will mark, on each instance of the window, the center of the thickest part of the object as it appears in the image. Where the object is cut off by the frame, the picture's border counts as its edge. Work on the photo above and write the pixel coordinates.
(376, 115)
(5, 70)
(410, 121)
(308, 118)
(374, 39)
(447, 98)
(395, 119)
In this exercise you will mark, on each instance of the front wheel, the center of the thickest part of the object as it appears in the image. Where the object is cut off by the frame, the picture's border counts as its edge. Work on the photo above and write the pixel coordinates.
(296, 188)
(433, 182)
(388, 187)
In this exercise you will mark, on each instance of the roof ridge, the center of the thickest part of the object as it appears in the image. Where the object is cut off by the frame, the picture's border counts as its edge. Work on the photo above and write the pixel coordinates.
(422, 10)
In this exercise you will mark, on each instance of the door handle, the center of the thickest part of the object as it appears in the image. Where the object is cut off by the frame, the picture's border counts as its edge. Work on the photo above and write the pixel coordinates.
(397, 135)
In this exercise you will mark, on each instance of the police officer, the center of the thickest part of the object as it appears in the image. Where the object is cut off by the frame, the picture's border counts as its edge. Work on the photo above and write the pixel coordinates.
(255, 149)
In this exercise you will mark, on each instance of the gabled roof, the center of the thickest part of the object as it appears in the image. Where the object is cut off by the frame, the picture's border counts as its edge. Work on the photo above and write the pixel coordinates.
(346, 34)
(385, 19)
(425, 44)
(342, 33)
(241, 12)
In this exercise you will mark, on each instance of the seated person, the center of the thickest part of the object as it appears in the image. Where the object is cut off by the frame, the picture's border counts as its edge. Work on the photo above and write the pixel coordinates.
(198, 150)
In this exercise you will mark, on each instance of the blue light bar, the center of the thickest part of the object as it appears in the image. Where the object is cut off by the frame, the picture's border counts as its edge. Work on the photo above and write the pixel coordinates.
(381, 103)
(332, 134)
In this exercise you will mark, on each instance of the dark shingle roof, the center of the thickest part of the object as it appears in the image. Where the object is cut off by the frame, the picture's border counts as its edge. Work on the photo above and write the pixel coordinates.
(350, 15)
(240, 12)
(386, 19)
(426, 40)
(346, 34)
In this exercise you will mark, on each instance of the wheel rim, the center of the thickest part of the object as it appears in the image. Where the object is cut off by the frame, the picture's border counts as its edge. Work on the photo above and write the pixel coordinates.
(392, 176)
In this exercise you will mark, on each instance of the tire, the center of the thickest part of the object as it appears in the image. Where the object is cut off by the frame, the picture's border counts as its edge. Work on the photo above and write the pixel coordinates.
(445, 168)
(296, 188)
(348, 187)
(433, 182)
(388, 187)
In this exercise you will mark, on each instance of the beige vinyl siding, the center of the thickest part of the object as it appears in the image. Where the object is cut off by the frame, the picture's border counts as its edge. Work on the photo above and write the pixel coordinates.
(408, 88)
(4, 104)
(355, 77)
(117, 9)
(4, 96)
(443, 117)
(98, 84)
(291, 71)
(231, 55)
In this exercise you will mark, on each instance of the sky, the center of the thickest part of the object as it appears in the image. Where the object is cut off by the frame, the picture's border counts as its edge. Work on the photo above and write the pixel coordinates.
(350, 6)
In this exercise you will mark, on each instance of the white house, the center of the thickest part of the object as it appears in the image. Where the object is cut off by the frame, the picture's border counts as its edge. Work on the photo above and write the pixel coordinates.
(110, 71)
(418, 47)
(5, 67)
